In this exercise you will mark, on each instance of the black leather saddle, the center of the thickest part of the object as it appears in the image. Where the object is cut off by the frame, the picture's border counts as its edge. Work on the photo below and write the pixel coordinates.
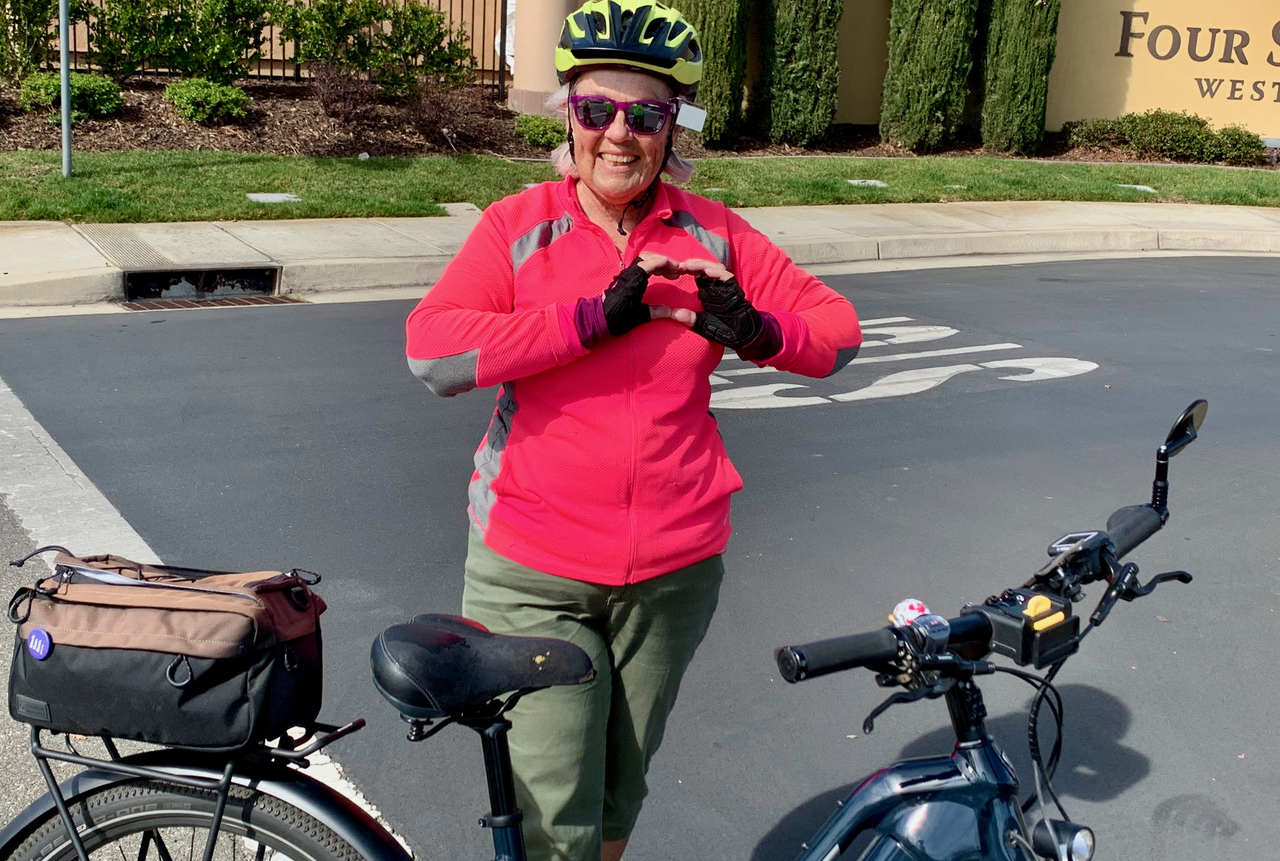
(438, 666)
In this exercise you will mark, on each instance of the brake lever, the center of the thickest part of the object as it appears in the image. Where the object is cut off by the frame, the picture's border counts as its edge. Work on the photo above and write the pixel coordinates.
(1137, 590)
(910, 696)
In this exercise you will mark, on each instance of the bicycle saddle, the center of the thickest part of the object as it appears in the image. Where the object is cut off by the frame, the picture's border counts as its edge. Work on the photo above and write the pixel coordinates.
(437, 666)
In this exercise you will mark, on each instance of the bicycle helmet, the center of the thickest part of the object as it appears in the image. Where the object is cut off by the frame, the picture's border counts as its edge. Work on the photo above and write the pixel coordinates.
(638, 34)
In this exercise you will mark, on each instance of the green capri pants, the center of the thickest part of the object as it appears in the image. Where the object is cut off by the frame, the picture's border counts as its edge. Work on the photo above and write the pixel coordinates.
(580, 753)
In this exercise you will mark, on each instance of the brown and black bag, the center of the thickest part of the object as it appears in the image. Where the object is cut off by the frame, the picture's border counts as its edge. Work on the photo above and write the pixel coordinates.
(173, 656)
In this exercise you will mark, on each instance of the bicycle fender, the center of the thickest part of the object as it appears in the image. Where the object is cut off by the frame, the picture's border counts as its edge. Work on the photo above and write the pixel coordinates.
(292, 786)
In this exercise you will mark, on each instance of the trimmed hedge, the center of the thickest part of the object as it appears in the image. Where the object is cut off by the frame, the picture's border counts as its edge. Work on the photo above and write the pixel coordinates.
(802, 69)
(722, 29)
(930, 56)
(91, 95)
(1019, 51)
(206, 102)
(1168, 135)
(541, 131)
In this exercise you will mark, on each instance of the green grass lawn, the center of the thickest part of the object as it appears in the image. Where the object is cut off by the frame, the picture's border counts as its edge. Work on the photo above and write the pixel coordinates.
(208, 186)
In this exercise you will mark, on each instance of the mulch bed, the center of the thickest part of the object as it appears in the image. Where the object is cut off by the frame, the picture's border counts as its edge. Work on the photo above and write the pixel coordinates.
(286, 118)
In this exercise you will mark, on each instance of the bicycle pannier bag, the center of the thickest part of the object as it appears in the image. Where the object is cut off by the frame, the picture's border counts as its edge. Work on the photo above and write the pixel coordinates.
(167, 655)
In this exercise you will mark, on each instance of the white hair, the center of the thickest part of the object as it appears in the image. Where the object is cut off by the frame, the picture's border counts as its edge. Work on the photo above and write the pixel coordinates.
(679, 168)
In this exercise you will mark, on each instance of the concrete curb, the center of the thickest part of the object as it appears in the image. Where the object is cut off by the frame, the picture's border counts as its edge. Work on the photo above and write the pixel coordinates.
(53, 264)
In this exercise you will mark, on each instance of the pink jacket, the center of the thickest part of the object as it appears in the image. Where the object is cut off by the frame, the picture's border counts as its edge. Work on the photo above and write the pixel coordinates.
(605, 465)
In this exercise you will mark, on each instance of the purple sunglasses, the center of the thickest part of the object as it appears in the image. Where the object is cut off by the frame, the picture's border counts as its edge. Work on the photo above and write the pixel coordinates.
(644, 117)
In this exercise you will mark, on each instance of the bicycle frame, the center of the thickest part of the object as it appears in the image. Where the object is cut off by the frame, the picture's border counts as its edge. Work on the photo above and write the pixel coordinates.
(960, 807)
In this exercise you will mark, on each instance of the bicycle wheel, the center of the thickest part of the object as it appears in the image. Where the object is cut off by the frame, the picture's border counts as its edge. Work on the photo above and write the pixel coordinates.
(147, 819)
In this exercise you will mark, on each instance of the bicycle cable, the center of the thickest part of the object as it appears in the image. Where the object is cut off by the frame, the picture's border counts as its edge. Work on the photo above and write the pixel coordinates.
(1045, 693)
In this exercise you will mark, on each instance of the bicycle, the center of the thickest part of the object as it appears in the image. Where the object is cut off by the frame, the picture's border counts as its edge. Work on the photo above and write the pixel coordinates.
(439, 670)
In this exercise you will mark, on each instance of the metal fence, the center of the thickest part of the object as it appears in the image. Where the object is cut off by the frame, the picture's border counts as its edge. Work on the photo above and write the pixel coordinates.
(479, 19)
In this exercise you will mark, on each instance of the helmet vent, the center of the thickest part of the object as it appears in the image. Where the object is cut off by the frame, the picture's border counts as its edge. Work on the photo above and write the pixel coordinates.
(652, 30)
(602, 26)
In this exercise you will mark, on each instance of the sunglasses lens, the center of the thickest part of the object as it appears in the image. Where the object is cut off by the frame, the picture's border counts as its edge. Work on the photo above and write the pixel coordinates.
(646, 118)
(595, 114)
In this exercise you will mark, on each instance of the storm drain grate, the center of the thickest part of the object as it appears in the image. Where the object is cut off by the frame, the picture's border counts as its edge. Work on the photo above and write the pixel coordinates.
(227, 302)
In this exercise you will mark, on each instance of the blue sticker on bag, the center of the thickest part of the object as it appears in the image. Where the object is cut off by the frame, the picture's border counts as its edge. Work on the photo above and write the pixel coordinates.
(39, 644)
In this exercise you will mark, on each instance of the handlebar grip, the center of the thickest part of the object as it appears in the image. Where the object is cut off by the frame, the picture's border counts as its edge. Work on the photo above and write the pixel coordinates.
(1133, 525)
(797, 663)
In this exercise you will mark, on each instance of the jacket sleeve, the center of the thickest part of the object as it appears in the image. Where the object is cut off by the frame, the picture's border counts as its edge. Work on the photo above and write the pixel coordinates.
(820, 331)
(465, 333)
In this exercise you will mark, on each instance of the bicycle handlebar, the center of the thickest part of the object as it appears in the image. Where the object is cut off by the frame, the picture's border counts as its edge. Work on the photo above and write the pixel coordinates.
(819, 658)
(1129, 527)
(969, 637)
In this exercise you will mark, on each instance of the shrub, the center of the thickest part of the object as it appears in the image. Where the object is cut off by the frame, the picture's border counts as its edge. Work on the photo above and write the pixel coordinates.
(1020, 44)
(392, 42)
(722, 28)
(929, 62)
(803, 70)
(1240, 146)
(540, 131)
(456, 116)
(91, 95)
(418, 41)
(1168, 135)
(206, 102)
(345, 95)
(124, 35)
(1177, 136)
(1100, 134)
(215, 40)
(25, 37)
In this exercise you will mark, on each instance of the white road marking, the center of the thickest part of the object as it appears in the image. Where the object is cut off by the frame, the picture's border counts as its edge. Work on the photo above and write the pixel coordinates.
(907, 334)
(49, 494)
(932, 354)
(1043, 369)
(905, 383)
(884, 321)
(761, 398)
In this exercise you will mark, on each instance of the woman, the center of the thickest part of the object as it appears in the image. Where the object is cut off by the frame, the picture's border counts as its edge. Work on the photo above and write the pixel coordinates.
(600, 502)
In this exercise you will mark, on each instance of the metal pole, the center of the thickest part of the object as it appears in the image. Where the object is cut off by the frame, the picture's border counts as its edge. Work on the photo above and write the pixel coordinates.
(64, 39)
(502, 54)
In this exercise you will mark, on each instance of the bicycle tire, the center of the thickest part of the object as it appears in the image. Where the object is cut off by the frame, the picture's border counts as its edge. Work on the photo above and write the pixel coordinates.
(114, 822)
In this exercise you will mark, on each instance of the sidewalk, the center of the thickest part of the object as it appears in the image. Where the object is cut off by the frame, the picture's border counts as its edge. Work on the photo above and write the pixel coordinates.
(50, 263)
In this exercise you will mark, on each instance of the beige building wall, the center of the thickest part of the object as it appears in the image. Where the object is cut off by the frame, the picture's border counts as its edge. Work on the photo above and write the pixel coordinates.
(1218, 60)
(864, 59)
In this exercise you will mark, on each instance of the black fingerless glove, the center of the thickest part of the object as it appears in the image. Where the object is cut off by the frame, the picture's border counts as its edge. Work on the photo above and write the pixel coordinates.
(624, 306)
(727, 317)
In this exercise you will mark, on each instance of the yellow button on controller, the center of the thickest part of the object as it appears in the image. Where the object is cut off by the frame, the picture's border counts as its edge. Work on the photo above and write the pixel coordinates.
(1038, 606)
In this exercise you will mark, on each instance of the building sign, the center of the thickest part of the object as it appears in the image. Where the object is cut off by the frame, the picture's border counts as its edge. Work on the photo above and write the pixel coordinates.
(1220, 61)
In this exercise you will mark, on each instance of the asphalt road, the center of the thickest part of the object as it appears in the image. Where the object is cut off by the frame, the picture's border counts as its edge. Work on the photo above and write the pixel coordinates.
(1002, 408)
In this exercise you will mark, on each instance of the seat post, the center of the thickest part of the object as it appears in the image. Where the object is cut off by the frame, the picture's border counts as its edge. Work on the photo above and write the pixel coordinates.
(505, 817)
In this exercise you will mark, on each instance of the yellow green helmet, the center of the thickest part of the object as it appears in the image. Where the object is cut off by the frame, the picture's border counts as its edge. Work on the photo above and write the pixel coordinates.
(639, 34)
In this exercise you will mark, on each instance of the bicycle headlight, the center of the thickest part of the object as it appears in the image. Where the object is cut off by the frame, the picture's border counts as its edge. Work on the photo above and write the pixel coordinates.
(1065, 840)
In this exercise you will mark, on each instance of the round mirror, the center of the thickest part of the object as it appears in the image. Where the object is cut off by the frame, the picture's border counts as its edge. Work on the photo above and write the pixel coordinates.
(1184, 429)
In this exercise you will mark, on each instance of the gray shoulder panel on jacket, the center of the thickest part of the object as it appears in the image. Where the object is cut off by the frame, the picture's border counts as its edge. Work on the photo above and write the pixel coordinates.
(540, 236)
(713, 242)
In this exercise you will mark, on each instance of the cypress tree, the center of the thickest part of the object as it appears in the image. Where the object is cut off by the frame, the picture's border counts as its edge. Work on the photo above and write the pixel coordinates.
(1019, 52)
(722, 28)
(930, 55)
(801, 69)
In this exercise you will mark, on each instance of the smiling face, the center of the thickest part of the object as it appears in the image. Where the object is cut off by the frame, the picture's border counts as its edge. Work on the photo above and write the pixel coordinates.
(616, 165)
